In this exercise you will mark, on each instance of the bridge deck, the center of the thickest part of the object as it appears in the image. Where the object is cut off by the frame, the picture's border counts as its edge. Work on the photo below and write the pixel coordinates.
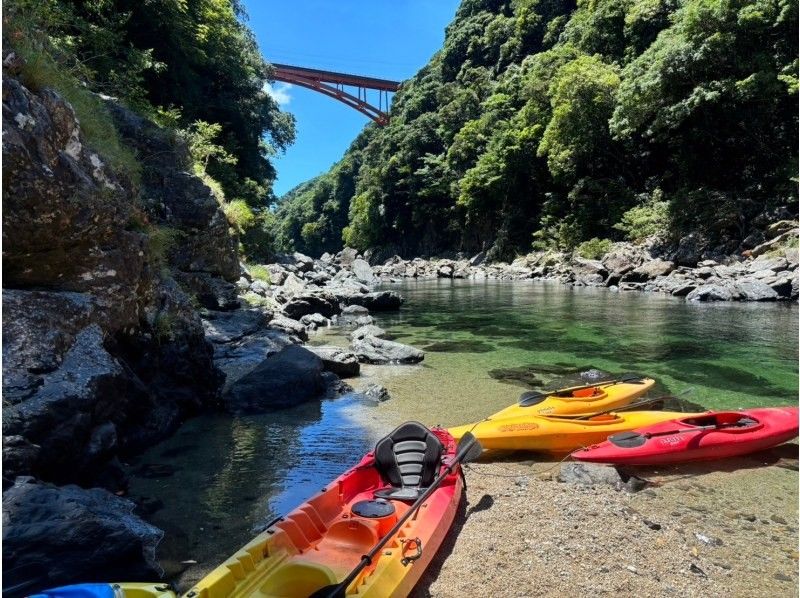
(287, 71)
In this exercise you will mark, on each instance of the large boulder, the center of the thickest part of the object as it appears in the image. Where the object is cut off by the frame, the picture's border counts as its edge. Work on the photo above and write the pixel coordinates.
(312, 303)
(623, 258)
(755, 290)
(714, 292)
(340, 361)
(291, 376)
(368, 330)
(649, 270)
(55, 536)
(376, 301)
(363, 272)
(370, 349)
(690, 250)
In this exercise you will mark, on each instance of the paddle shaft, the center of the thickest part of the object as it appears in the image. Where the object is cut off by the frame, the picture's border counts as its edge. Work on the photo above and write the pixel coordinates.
(595, 385)
(339, 589)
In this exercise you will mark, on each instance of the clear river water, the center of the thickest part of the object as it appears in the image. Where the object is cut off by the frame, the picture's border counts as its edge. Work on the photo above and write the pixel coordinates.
(220, 477)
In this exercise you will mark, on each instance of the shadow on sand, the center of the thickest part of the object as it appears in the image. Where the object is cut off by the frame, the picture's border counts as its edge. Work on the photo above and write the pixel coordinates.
(422, 589)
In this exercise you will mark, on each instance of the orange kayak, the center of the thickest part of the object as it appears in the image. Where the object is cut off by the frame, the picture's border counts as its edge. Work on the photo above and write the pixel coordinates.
(323, 540)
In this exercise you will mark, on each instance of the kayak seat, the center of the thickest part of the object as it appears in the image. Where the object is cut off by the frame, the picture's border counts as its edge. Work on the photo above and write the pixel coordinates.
(408, 459)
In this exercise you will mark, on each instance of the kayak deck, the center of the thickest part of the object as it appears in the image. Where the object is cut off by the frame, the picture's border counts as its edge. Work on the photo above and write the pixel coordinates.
(320, 542)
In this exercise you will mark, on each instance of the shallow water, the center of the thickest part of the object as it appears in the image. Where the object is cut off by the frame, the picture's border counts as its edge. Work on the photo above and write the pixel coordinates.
(219, 477)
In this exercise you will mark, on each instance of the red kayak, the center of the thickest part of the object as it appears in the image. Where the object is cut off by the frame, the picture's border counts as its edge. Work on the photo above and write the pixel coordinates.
(715, 435)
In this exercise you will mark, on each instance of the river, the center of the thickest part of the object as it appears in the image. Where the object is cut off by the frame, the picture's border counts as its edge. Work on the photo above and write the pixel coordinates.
(219, 477)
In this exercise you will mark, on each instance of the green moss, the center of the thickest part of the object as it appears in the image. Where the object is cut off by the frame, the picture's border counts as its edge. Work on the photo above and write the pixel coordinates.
(594, 248)
(259, 272)
(256, 300)
(239, 215)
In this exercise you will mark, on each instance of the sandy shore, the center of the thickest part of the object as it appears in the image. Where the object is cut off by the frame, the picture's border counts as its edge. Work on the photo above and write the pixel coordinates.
(695, 531)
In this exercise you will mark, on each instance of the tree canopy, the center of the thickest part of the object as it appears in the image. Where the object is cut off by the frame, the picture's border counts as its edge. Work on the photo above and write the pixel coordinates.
(551, 122)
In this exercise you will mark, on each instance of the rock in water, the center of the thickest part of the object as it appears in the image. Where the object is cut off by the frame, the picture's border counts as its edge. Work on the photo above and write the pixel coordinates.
(341, 362)
(291, 376)
(377, 350)
(376, 392)
(377, 301)
(54, 536)
(368, 330)
(363, 271)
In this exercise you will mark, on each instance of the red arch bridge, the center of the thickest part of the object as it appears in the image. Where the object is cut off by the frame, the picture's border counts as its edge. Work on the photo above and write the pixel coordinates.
(332, 84)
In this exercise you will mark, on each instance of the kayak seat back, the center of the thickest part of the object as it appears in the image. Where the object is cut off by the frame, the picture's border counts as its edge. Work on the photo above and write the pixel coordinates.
(408, 459)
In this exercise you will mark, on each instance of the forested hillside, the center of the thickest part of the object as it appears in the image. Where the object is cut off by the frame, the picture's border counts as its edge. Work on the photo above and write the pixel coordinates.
(191, 65)
(546, 123)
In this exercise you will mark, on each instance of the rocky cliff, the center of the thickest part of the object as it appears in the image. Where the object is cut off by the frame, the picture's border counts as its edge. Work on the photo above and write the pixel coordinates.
(103, 349)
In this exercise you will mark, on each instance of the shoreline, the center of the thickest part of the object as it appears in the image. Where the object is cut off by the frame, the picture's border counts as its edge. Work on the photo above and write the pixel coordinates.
(697, 531)
(768, 274)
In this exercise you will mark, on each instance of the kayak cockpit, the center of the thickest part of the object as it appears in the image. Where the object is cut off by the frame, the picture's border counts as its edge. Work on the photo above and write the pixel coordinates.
(730, 421)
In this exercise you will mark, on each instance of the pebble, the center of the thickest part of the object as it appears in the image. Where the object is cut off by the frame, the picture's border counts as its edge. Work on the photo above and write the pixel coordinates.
(778, 519)
(782, 577)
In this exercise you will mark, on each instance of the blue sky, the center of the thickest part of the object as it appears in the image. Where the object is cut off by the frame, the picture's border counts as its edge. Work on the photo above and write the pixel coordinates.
(389, 39)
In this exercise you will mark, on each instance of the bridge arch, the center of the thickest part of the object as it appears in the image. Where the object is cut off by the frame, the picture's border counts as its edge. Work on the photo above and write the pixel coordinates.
(332, 85)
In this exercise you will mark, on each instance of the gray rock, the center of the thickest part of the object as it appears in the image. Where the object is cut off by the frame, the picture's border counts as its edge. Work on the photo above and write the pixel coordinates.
(19, 456)
(756, 290)
(277, 274)
(376, 392)
(783, 285)
(623, 258)
(445, 270)
(583, 268)
(368, 330)
(346, 256)
(355, 310)
(363, 272)
(341, 362)
(326, 258)
(260, 288)
(775, 264)
(690, 250)
(478, 259)
(309, 303)
(780, 227)
(291, 376)
(589, 474)
(649, 270)
(55, 536)
(314, 321)
(226, 327)
(713, 292)
(294, 327)
(370, 349)
(377, 301)
(302, 262)
(705, 272)
(682, 289)
(293, 285)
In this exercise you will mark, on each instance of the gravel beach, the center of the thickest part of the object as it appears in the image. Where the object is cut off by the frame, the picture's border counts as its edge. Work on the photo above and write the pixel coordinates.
(730, 529)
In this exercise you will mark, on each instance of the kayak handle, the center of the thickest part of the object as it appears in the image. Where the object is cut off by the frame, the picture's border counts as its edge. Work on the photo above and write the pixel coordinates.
(408, 559)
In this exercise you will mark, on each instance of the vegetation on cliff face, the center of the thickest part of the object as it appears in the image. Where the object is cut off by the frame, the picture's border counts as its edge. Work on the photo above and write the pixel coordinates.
(191, 65)
(552, 122)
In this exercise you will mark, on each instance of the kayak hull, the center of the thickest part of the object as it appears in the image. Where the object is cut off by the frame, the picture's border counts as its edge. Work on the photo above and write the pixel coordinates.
(686, 439)
(555, 434)
(600, 397)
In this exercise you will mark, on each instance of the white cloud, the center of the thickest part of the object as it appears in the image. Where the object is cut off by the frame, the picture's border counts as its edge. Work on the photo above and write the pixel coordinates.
(279, 92)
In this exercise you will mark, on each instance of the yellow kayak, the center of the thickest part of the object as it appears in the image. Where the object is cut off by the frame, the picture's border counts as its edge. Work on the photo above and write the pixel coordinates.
(583, 399)
(559, 434)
